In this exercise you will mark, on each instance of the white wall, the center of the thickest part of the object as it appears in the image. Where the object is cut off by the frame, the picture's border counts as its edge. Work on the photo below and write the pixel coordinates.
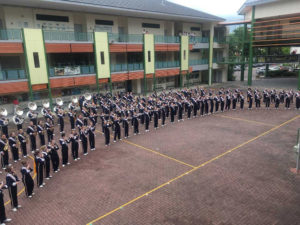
(90, 18)
(187, 28)
(135, 26)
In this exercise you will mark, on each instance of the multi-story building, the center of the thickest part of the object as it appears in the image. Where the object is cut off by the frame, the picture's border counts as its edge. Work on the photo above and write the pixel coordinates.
(63, 47)
(274, 23)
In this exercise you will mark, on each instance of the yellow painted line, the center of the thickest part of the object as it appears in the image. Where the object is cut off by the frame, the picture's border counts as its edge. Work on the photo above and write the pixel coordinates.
(155, 152)
(192, 170)
(23, 189)
(245, 120)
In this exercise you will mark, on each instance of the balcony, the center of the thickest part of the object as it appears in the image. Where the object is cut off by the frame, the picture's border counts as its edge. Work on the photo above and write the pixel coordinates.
(166, 39)
(68, 36)
(11, 35)
(167, 64)
(116, 68)
(198, 62)
(12, 74)
(125, 38)
(197, 39)
(71, 70)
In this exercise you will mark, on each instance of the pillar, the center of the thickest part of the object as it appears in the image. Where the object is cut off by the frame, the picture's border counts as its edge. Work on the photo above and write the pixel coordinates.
(243, 52)
(250, 67)
(211, 52)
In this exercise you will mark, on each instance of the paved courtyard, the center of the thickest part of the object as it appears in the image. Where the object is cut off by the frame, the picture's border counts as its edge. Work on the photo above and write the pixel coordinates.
(230, 168)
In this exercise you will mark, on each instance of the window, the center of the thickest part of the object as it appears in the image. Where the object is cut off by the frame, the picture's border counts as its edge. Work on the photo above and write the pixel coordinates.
(52, 18)
(184, 55)
(36, 60)
(102, 58)
(149, 56)
(151, 25)
(195, 28)
(104, 22)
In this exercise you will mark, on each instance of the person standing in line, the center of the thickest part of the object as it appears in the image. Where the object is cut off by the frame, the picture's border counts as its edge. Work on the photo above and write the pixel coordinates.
(242, 101)
(54, 156)
(39, 168)
(31, 131)
(3, 218)
(107, 132)
(117, 133)
(46, 156)
(4, 146)
(72, 119)
(23, 142)
(84, 140)
(126, 127)
(41, 130)
(12, 182)
(27, 179)
(12, 140)
(64, 149)
(74, 138)
(91, 131)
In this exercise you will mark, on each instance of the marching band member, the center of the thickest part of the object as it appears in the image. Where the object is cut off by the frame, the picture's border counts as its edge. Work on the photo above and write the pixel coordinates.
(12, 140)
(3, 218)
(41, 131)
(27, 179)
(39, 168)
(298, 100)
(242, 100)
(46, 156)
(61, 122)
(117, 131)
(79, 122)
(107, 132)
(84, 141)
(126, 127)
(135, 124)
(32, 134)
(23, 142)
(72, 119)
(91, 132)
(86, 115)
(4, 126)
(146, 119)
(64, 149)
(18, 120)
(33, 117)
(4, 145)
(74, 138)
(12, 182)
(50, 130)
(53, 147)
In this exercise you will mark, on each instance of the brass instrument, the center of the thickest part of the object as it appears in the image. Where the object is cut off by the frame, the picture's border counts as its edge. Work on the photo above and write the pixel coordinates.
(59, 102)
(6, 147)
(32, 106)
(74, 100)
(46, 105)
(19, 112)
(3, 112)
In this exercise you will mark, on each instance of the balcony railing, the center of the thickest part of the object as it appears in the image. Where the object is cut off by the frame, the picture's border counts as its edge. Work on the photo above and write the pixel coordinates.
(198, 62)
(12, 74)
(166, 39)
(197, 39)
(125, 38)
(168, 64)
(220, 40)
(71, 70)
(11, 34)
(68, 36)
(115, 68)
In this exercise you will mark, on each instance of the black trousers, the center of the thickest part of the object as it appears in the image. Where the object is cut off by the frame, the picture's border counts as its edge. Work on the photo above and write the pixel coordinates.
(107, 137)
(62, 125)
(40, 175)
(84, 146)
(136, 127)
(33, 143)
(72, 122)
(75, 147)
(24, 149)
(42, 139)
(4, 159)
(147, 124)
(13, 191)
(126, 130)
(47, 167)
(15, 153)
(2, 210)
(65, 155)
(5, 131)
(92, 141)
(19, 126)
(217, 107)
(29, 185)
(55, 162)
(49, 136)
(117, 134)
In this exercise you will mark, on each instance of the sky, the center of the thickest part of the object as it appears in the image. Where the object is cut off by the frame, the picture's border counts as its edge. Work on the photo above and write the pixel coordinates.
(223, 8)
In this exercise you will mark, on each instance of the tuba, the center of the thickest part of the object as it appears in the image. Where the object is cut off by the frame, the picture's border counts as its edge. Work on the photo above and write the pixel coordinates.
(3, 112)
(19, 112)
(59, 102)
(74, 101)
(46, 105)
(32, 106)
(88, 96)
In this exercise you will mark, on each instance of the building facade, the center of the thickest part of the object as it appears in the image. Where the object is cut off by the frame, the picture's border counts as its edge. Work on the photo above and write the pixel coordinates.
(51, 49)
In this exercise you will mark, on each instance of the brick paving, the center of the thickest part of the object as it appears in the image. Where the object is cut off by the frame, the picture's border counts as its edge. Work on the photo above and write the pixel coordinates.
(251, 185)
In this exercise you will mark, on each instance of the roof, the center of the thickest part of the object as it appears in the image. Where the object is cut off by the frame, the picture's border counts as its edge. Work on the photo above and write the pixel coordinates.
(150, 6)
(250, 3)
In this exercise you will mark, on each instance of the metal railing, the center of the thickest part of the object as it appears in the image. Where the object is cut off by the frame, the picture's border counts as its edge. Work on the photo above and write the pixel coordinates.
(198, 62)
(166, 39)
(68, 36)
(197, 39)
(124, 67)
(12, 74)
(167, 64)
(11, 34)
(125, 38)
(71, 70)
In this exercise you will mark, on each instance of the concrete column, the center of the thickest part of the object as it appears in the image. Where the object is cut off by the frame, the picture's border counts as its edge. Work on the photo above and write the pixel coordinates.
(211, 52)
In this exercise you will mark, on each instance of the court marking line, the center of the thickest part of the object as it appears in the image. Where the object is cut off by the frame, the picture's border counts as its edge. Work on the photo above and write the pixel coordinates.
(154, 152)
(245, 120)
(23, 189)
(192, 170)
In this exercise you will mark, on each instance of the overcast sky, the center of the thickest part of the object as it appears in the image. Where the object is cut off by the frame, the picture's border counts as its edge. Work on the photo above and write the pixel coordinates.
(223, 8)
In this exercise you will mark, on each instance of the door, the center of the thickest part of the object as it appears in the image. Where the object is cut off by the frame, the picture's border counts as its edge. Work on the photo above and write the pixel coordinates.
(79, 36)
